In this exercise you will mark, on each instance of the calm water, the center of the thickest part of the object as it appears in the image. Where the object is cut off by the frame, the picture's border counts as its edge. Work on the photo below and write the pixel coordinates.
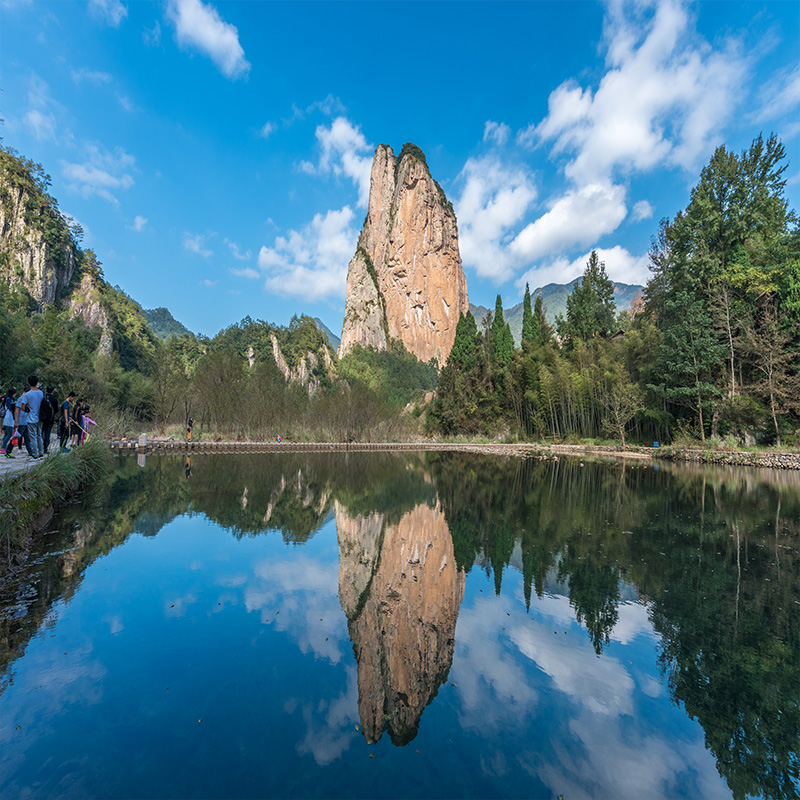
(416, 625)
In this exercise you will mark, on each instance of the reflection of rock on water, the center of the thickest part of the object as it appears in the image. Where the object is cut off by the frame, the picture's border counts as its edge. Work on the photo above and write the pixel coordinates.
(401, 591)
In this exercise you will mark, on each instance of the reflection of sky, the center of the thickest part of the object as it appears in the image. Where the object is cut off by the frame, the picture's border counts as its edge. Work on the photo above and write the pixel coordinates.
(518, 673)
(249, 636)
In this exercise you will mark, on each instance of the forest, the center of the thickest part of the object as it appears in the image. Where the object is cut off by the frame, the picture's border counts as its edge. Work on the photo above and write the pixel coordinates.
(709, 353)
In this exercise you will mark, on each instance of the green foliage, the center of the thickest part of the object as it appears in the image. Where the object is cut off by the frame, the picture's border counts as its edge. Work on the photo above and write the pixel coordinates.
(530, 324)
(394, 374)
(590, 307)
(26, 496)
(163, 324)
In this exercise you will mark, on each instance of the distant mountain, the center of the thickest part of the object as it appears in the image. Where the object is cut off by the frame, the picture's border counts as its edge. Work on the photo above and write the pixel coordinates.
(163, 324)
(554, 298)
(332, 337)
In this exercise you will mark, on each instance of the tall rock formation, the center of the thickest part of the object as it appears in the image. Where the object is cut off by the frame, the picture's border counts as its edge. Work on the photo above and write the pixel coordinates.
(405, 280)
(401, 590)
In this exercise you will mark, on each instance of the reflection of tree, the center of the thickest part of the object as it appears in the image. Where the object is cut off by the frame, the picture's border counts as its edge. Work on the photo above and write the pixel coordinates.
(401, 590)
(717, 552)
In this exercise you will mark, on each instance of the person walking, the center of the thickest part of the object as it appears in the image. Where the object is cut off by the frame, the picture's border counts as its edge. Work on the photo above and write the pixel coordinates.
(48, 412)
(21, 422)
(76, 422)
(64, 422)
(189, 426)
(8, 422)
(31, 403)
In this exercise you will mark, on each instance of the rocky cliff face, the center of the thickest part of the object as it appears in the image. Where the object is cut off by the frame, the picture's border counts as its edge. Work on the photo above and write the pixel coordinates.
(36, 252)
(306, 373)
(401, 591)
(405, 281)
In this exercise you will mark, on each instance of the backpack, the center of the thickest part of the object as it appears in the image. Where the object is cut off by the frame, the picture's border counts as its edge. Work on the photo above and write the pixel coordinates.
(46, 413)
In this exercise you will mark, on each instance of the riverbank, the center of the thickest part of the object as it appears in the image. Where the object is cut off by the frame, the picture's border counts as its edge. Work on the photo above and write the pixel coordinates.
(774, 460)
(29, 498)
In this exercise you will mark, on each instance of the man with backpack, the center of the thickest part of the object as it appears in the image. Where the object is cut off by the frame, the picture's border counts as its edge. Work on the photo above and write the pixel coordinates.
(47, 416)
(30, 403)
(64, 422)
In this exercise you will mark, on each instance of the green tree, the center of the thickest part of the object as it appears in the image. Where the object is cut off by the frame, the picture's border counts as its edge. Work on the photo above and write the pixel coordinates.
(688, 356)
(590, 306)
(530, 324)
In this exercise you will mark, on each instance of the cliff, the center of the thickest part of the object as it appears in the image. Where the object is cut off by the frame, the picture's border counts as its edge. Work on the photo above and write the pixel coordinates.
(401, 590)
(405, 280)
(37, 250)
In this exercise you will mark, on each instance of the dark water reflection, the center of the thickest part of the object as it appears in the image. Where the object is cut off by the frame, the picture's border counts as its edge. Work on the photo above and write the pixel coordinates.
(441, 625)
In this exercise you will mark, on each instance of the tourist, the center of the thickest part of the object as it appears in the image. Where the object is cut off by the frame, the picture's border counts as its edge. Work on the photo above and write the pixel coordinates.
(76, 422)
(47, 416)
(64, 423)
(21, 422)
(30, 403)
(189, 426)
(8, 422)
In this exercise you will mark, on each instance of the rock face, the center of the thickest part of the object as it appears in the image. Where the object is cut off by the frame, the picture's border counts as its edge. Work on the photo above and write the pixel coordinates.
(401, 591)
(405, 280)
(85, 302)
(306, 373)
(26, 258)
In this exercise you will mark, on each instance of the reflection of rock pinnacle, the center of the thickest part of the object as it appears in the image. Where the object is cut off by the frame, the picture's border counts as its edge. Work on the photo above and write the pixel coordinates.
(402, 597)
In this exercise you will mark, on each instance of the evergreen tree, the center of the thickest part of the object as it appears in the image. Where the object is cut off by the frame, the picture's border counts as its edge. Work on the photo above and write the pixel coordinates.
(544, 330)
(498, 332)
(590, 306)
(465, 345)
(530, 327)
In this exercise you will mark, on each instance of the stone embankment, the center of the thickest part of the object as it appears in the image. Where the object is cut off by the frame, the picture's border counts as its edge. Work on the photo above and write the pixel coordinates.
(742, 459)
(734, 459)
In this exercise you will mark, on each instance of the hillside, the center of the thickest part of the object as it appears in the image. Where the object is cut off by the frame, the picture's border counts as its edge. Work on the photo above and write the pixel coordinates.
(554, 298)
(163, 324)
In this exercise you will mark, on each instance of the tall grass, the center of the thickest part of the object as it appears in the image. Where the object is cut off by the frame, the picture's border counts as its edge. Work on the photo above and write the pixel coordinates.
(25, 497)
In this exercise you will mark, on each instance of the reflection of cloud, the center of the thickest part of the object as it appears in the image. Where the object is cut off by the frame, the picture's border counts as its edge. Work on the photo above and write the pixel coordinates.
(610, 690)
(619, 760)
(481, 658)
(327, 738)
(632, 621)
(299, 597)
(177, 607)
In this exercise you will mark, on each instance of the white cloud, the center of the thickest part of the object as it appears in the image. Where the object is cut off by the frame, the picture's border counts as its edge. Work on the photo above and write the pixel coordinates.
(112, 12)
(152, 37)
(497, 132)
(345, 151)
(642, 210)
(208, 283)
(138, 224)
(663, 98)
(246, 272)
(199, 26)
(101, 172)
(41, 124)
(236, 252)
(579, 217)
(95, 77)
(494, 198)
(621, 266)
(312, 263)
(780, 100)
(266, 130)
(195, 244)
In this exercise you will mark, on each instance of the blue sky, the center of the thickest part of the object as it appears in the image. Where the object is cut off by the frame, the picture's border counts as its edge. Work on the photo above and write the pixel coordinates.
(217, 154)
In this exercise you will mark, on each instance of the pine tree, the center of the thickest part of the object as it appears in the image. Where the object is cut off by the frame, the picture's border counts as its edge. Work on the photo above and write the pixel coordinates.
(544, 331)
(530, 327)
(498, 332)
(590, 306)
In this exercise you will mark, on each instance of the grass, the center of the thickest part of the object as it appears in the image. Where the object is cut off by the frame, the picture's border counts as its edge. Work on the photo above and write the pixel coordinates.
(26, 496)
